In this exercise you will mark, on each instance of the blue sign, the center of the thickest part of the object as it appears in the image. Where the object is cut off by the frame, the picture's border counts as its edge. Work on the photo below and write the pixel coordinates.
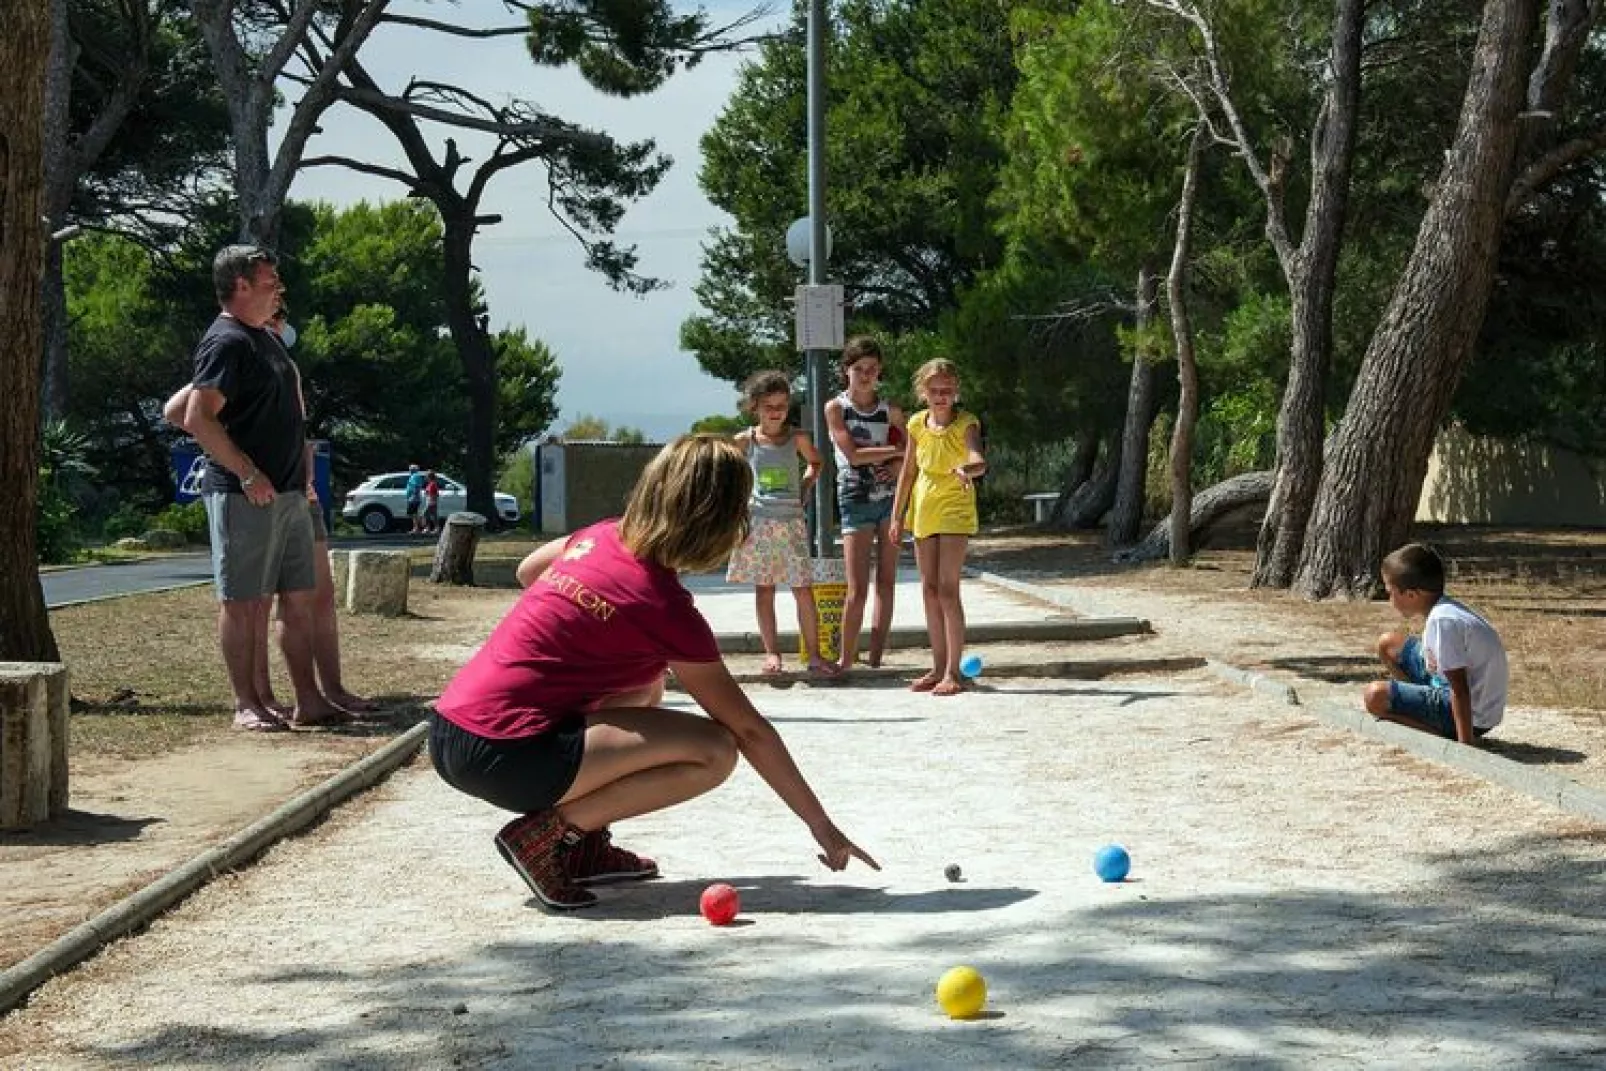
(189, 470)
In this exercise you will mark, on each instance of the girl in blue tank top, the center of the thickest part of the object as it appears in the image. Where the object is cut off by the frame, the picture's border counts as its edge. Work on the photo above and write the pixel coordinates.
(777, 547)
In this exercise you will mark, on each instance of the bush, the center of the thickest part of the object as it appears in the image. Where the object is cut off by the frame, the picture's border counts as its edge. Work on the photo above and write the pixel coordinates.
(1013, 473)
(189, 520)
(127, 521)
(518, 478)
(56, 532)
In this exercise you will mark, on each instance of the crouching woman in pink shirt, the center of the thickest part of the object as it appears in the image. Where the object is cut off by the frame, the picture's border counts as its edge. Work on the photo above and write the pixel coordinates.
(557, 716)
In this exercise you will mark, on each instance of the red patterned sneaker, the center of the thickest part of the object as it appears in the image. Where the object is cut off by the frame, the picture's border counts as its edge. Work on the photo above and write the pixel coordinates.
(597, 861)
(537, 845)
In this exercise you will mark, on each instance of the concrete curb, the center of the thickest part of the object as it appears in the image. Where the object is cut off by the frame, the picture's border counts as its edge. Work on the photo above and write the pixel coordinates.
(1546, 786)
(1258, 683)
(1081, 669)
(1093, 628)
(140, 908)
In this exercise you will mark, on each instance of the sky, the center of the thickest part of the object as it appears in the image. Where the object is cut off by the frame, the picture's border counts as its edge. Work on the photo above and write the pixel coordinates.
(620, 354)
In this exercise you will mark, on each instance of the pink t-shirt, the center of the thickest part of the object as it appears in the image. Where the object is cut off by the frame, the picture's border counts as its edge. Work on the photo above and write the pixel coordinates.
(600, 622)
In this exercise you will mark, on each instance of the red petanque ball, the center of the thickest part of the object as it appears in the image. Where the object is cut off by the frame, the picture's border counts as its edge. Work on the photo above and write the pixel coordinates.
(720, 903)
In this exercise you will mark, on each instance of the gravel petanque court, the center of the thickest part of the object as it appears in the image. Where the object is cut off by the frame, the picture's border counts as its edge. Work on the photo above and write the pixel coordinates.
(1299, 897)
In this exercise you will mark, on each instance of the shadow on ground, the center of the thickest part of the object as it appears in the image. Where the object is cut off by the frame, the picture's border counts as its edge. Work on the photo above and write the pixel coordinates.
(1490, 959)
(76, 827)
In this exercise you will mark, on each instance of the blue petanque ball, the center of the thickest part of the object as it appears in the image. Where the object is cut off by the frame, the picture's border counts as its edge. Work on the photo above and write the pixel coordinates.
(1112, 863)
(970, 665)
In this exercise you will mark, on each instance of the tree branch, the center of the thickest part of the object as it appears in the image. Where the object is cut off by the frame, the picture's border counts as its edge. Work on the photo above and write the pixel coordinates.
(410, 181)
(1276, 225)
(373, 99)
(1543, 171)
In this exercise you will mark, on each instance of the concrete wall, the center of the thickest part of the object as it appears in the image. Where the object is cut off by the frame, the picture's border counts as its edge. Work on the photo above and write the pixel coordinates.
(593, 480)
(1473, 480)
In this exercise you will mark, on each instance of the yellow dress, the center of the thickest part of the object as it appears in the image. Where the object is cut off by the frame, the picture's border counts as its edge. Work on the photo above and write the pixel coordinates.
(939, 504)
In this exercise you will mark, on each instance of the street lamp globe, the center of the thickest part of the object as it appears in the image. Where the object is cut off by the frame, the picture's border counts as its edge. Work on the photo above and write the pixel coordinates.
(798, 237)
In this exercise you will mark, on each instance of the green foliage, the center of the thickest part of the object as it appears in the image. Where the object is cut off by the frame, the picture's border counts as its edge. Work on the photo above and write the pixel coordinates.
(126, 521)
(189, 520)
(527, 375)
(518, 477)
(622, 47)
(912, 97)
(588, 428)
(1016, 471)
(720, 424)
(175, 138)
(64, 470)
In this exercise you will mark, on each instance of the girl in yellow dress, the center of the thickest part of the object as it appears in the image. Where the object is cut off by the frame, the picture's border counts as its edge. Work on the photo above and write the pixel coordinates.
(936, 500)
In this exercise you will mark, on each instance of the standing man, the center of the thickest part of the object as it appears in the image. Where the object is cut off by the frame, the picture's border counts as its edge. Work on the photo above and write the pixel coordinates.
(245, 412)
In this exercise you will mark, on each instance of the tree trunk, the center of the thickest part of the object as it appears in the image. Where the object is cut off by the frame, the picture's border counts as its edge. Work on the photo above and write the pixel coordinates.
(262, 176)
(1176, 286)
(1081, 467)
(1375, 468)
(1209, 506)
(454, 552)
(1085, 506)
(474, 349)
(59, 179)
(1126, 516)
(25, 634)
(1301, 420)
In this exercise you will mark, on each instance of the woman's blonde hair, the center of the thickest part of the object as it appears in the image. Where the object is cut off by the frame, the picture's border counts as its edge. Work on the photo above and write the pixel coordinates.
(937, 366)
(688, 510)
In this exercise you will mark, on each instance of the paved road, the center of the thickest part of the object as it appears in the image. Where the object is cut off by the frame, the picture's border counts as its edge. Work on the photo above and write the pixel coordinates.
(68, 586)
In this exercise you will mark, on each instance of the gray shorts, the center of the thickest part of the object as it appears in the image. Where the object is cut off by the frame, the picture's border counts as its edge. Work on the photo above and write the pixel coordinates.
(320, 533)
(258, 551)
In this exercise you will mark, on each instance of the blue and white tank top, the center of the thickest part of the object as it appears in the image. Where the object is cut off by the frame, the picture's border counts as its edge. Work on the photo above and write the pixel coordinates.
(863, 484)
(775, 479)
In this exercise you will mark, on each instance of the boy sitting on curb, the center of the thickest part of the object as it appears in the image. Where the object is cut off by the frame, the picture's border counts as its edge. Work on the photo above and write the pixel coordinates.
(1452, 681)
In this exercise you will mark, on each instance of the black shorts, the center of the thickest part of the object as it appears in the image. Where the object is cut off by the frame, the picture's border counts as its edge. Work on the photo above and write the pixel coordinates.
(412, 507)
(524, 775)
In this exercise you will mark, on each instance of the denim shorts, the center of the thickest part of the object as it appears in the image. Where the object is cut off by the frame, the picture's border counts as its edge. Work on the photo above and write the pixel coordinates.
(864, 516)
(1425, 697)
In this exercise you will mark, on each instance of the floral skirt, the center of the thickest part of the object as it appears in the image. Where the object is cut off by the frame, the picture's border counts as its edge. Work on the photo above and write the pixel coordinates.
(776, 553)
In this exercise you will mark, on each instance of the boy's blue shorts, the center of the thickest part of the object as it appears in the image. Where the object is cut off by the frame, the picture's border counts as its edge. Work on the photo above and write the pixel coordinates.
(1425, 697)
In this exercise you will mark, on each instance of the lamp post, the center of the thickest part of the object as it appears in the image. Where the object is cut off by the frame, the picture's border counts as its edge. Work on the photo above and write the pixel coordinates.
(819, 252)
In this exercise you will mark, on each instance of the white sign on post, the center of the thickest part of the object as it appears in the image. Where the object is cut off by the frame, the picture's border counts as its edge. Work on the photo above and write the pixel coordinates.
(820, 317)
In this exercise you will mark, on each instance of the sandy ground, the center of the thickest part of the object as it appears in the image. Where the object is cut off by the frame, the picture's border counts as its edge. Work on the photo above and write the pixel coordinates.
(1318, 664)
(130, 823)
(1299, 898)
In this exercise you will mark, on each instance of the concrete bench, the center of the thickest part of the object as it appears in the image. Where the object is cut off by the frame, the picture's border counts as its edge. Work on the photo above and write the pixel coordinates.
(1042, 504)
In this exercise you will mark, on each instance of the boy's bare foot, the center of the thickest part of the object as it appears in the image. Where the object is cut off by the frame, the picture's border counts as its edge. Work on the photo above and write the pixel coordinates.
(925, 683)
(821, 668)
(948, 686)
(874, 660)
(772, 664)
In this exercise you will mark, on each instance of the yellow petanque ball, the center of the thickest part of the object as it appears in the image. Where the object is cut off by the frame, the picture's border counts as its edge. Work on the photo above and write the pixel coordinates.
(961, 991)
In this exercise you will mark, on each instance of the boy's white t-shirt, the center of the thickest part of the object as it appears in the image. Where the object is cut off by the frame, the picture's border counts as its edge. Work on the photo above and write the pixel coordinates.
(1458, 638)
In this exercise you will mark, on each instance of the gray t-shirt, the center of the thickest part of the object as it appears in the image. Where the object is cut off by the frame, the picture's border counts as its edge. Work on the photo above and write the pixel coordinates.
(775, 479)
